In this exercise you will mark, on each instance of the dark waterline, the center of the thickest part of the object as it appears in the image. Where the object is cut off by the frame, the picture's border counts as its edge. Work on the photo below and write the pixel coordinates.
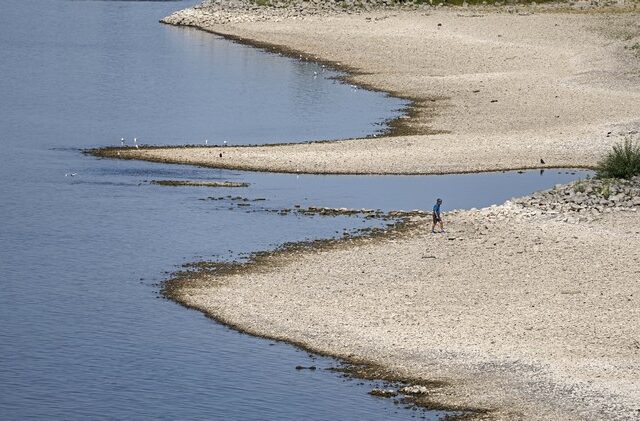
(82, 332)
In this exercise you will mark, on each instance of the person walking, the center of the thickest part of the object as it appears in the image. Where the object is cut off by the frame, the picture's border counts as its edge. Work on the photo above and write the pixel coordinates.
(437, 217)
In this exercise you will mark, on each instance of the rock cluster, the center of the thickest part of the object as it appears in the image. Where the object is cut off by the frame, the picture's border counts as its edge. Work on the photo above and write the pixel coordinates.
(384, 393)
(580, 201)
(411, 390)
(587, 195)
(198, 183)
(365, 213)
(235, 11)
(311, 6)
(414, 390)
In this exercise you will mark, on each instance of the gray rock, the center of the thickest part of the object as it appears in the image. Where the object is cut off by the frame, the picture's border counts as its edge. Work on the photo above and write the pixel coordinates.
(385, 393)
(414, 390)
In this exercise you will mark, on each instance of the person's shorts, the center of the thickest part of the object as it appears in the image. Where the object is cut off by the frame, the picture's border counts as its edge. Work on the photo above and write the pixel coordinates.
(436, 219)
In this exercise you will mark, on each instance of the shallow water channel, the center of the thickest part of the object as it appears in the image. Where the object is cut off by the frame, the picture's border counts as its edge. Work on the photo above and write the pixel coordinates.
(83, 333)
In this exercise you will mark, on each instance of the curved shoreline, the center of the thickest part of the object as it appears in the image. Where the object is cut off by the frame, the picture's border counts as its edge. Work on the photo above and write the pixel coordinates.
(176, 289)
(499, 356)
(174, 155)
(494, 341)
(395, 127)
(558, 87)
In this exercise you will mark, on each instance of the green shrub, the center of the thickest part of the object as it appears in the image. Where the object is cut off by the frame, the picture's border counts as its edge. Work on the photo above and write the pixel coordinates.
(622, 162)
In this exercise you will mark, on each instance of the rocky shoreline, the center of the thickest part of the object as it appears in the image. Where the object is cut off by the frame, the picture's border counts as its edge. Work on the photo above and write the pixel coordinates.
(583, 201)
(236, 11)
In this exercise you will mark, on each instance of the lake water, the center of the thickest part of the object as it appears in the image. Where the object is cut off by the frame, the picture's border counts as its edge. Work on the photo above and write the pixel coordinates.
(83, 334)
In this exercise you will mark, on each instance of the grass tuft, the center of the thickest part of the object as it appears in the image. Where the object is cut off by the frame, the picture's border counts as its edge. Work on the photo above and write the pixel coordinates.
(622, 162)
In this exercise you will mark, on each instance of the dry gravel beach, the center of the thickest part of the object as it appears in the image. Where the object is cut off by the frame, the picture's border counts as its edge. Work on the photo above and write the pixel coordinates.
(524, 314)
(493, 89)
(529, 318)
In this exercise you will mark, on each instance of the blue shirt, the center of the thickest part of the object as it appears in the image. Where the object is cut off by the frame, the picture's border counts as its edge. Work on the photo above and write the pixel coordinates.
(436, 209)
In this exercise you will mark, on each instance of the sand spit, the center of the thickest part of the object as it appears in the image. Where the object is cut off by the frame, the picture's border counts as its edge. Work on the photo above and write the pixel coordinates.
(517, 309)
(198, 183)
(493, 89)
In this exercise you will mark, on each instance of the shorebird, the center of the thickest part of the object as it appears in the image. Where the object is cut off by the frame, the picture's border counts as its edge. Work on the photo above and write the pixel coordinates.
(135, 142)
(71, 174)
(225, 143)
(206, 142)
(542, 161)
(122, 141)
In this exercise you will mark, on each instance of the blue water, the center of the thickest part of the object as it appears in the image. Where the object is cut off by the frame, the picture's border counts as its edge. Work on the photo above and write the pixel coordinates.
(83, 332)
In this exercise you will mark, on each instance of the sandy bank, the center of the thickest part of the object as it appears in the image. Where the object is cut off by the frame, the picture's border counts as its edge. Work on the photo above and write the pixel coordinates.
(520, 313)
(493, 90)
(530, 317)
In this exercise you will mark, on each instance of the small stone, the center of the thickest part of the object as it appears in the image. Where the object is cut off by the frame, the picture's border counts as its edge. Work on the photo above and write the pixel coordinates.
(384, 393)
(301, 367)
(414, 390)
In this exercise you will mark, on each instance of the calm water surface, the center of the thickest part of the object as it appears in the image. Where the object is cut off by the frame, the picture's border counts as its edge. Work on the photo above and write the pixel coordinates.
(83, 334)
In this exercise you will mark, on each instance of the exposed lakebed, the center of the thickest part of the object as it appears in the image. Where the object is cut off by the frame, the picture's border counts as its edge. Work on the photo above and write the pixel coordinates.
(87, 242)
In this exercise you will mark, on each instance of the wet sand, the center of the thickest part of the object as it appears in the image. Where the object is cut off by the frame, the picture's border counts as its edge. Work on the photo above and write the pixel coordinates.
(492, 90)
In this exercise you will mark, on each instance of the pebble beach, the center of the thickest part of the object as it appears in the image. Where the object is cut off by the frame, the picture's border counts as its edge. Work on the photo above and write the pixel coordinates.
(491, 88)
(527, 310)
(523, 310)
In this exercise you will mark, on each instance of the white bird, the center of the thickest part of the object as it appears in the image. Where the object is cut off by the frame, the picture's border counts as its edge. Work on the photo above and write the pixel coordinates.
(135, 142)
(71, 174)
(225, 143)
(206, 141)
(122, 141)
